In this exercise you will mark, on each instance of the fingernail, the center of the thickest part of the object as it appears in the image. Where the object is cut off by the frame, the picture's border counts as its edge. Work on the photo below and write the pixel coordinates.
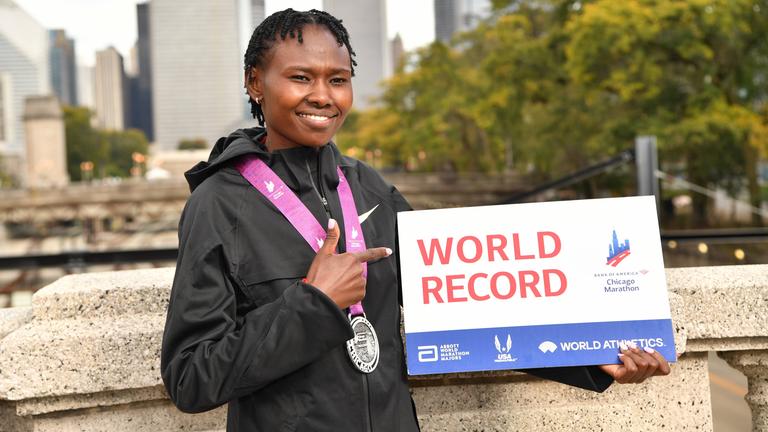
(389, 251)
(632, 344)
(621, 354)
(623, 346)
(649, 350)
(331, 223)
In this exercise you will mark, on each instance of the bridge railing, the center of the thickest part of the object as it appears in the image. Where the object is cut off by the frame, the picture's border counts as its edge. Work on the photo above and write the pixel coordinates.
(93, 341)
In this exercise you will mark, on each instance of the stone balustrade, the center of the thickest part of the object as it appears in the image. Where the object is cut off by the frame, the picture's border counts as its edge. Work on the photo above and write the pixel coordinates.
(86, 357)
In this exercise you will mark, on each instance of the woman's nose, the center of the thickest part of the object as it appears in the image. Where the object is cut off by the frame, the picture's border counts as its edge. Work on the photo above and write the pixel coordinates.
(320, 95)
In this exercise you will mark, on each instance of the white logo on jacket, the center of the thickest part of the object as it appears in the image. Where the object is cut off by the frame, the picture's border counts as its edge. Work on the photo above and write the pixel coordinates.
(365, 215)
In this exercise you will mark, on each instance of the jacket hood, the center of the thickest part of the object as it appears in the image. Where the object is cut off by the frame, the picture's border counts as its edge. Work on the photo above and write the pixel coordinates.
(238, 143)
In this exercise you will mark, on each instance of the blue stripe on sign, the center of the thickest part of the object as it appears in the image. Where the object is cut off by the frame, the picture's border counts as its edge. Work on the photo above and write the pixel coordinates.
(533, 346)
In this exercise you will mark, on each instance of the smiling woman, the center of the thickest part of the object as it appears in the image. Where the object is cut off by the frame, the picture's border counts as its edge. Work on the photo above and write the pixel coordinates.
(305, 87)
(294, 325)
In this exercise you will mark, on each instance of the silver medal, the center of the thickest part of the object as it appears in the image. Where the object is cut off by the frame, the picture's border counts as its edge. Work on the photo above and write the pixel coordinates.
(363, 349)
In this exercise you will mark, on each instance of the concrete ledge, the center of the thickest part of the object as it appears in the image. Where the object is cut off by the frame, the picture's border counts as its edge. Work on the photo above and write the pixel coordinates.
(99, 295)
(723, 302)
(77, 356)
(13, 318)
(86, 357)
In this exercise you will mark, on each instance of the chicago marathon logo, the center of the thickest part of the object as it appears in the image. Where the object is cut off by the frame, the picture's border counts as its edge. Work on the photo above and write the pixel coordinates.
(617, 252)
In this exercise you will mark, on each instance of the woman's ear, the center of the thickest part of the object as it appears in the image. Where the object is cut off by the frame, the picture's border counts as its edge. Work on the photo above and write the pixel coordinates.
(253, 85)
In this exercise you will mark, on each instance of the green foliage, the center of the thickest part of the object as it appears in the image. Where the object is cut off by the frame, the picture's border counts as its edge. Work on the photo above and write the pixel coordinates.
(193, 144)
(554, 85)
(110, 152)
(122, 146)
(84, 143)
(5, 178)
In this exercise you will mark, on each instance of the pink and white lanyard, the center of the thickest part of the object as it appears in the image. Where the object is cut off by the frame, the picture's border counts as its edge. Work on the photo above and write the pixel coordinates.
(277, 192)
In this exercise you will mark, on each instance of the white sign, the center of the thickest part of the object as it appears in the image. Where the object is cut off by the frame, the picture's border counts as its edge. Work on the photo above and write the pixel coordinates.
(532, 285)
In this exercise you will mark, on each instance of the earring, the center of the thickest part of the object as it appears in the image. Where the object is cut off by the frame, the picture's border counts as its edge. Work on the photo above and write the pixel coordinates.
(258, 101)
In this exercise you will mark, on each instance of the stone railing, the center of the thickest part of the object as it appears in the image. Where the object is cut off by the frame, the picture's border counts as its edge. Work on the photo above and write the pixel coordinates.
(85, 357)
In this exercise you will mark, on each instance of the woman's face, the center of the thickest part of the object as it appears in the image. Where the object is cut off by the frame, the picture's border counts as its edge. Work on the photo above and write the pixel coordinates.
(305, 89)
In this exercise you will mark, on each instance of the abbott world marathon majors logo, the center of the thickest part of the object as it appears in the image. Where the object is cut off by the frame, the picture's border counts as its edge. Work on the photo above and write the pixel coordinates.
(443, 352)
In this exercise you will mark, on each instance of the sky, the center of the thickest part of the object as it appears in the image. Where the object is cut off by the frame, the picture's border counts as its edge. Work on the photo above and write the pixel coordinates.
(97, 24)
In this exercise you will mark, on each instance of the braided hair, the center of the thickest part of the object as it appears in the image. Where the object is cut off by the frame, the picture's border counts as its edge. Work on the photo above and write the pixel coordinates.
(288, 23)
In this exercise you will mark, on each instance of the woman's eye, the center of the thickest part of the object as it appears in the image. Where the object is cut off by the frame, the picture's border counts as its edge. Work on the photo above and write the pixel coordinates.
(338, 81)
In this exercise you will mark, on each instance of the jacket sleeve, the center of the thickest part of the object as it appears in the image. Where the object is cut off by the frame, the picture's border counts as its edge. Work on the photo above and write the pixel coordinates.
(585, 377)
(211, 355)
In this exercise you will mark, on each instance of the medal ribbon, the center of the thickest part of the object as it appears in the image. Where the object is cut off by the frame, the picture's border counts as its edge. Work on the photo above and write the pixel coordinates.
(261, 177)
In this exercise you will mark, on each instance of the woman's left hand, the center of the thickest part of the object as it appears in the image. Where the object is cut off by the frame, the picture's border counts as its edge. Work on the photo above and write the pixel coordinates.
(637, 365)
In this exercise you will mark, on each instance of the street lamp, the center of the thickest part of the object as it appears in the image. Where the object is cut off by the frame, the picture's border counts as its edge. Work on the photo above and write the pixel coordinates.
(138, 159)
(86, 170)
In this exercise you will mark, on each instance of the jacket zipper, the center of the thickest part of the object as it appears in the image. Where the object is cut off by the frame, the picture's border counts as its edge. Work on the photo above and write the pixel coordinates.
(367, 400)
(366, 396)
(317, 191)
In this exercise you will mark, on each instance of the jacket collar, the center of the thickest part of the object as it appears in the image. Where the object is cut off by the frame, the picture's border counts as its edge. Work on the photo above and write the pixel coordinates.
(291, 165)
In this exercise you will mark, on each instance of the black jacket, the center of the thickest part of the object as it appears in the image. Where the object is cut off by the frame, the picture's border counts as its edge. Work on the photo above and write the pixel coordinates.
(243, 329)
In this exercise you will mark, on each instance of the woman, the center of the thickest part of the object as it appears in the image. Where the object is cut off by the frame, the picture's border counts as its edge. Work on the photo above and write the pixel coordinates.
(264, 300)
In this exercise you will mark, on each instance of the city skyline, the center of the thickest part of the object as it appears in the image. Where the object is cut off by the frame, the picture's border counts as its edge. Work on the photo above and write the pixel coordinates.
(117, 23)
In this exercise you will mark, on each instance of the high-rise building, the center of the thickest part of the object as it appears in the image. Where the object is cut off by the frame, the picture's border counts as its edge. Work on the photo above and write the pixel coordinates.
(63, 67)
(398, 52)
(366, 22)
(257, 13)
(24, 71)
(140, 100)
(197, 73)
(109, 89)
(85, 86)
(453, 16)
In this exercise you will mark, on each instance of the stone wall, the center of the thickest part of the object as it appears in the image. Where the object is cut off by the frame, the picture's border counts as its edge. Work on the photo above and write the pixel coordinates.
(85, 357)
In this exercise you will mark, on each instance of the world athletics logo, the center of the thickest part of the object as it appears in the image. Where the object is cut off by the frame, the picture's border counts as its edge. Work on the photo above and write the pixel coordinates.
(617, 252)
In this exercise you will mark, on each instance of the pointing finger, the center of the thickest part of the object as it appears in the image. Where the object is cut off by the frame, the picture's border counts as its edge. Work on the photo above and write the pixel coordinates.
(331, 239)
(373, 254)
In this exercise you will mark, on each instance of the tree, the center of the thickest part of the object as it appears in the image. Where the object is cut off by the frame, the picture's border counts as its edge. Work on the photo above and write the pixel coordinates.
(84, 143)
(5, 178)
(122, 146)
(193, 144)
(97, 153)
(689, 71)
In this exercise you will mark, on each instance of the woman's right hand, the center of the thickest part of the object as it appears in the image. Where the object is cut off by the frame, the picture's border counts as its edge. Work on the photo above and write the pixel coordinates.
(340, 276)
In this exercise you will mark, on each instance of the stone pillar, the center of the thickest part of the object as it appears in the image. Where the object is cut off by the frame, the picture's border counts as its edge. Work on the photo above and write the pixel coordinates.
(46, 158)
(753, 364)
(86, 358)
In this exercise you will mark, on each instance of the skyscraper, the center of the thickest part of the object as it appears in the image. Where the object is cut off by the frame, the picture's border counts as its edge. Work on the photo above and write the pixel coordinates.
(257, 13)
(63, 67)
(453, 16)
(398, 51)
(197, 73)
(24, 71)
(366, 22)
(109, 89)
(85, 86)
(140, 101)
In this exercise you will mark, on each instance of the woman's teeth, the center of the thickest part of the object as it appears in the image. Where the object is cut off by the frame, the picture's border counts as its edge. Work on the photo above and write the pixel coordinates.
(314, 117)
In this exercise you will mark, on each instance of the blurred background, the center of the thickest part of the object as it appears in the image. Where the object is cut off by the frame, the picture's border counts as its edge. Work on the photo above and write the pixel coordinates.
(104, 105)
